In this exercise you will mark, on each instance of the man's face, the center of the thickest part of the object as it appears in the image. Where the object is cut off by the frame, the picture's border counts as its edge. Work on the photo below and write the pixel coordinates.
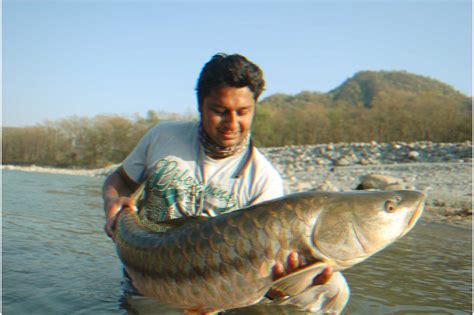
(227, 114)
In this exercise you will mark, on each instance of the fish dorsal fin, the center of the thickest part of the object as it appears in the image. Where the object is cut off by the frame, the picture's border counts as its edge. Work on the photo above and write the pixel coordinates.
(298, 281)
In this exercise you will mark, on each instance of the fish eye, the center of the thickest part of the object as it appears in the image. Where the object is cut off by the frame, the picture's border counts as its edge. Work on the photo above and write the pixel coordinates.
(390, 206)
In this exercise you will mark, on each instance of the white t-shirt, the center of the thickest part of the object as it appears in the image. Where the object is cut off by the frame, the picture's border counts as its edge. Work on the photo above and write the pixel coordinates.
(183, 181)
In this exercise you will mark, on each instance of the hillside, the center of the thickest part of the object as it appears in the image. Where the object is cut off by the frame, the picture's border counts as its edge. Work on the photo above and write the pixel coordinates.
(363, 88)
(372, 105)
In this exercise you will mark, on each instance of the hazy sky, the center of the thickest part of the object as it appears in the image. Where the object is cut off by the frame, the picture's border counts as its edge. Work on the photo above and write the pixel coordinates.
(84, 58)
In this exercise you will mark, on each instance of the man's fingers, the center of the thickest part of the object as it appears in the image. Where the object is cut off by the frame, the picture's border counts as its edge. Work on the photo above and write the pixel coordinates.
(278, 271)
(111, 219)
(323, 277)
(293, 262)
(128, 202)
(114, 209)
(108, 231)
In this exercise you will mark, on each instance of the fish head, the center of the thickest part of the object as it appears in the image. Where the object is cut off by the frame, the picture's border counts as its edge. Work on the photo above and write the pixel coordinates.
(353, 226)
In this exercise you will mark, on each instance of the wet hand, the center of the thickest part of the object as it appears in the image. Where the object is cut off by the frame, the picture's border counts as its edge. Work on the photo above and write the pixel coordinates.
(112, 209)
(323, 277)
(294, 261)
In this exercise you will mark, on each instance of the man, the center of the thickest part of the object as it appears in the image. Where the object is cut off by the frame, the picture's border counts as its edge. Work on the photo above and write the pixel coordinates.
(200, 168)
(203, 168)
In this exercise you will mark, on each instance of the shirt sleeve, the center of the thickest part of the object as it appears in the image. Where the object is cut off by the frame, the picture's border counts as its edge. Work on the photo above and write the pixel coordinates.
(135, 165)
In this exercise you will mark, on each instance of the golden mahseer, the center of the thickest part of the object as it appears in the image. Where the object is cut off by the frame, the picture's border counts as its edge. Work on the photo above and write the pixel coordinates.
(213, 264)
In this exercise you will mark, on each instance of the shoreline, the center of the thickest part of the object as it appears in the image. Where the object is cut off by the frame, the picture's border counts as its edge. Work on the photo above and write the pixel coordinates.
(56, 170)
(447, 184)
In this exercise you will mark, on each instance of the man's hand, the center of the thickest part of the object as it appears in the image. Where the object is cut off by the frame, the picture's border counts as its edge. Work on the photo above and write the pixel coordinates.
(116, 185)
(112, 209)
(294, 262)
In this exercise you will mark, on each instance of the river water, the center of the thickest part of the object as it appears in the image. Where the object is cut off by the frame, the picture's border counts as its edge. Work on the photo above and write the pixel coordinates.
(57, 260)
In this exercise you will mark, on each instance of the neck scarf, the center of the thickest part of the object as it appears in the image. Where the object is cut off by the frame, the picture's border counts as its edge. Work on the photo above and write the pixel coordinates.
(216, 151)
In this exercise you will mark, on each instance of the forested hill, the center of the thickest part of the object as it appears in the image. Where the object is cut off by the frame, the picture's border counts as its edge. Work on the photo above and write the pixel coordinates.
(365, 86)
(372, 105)
(383, 106)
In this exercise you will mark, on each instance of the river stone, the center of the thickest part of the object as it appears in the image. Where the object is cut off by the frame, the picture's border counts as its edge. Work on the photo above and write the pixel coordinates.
(303, 186)
(380, 181)
(342, 162)
(414, 155)
(327, 186)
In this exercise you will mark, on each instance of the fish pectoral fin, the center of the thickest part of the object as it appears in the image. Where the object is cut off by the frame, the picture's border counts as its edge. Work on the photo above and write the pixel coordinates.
(297, 281)
(330, 297)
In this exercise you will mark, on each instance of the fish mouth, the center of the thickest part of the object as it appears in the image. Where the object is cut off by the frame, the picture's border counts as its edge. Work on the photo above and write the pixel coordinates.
(414, 218)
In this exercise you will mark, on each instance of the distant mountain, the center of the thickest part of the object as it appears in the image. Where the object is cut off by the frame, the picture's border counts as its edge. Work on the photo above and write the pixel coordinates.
(364, 86)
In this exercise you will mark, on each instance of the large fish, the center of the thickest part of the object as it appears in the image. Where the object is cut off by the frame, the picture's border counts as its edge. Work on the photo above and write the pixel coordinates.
(226, 262)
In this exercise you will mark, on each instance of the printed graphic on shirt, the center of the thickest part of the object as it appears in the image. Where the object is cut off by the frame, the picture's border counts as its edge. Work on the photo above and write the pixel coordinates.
(172, 191)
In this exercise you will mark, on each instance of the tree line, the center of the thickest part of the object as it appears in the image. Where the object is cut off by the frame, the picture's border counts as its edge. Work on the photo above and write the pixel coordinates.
(75, 142)
(392, 116)
(105, 140)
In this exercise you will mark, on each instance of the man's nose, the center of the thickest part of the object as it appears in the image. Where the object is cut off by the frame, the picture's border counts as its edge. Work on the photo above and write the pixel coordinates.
(232, 120)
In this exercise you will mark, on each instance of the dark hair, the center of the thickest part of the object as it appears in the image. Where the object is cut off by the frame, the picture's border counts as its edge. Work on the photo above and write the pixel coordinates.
(231, 71)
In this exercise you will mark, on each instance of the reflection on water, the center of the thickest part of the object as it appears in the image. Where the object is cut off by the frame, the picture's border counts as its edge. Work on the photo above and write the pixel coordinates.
(57, 260)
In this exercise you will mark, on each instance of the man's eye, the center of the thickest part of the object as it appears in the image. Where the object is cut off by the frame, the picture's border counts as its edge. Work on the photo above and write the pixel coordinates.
(218, 111)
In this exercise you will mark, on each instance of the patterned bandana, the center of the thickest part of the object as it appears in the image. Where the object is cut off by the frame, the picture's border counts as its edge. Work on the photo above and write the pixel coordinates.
(217, 151)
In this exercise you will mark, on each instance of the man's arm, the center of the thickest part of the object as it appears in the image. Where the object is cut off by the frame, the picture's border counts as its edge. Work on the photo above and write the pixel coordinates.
(116, 192)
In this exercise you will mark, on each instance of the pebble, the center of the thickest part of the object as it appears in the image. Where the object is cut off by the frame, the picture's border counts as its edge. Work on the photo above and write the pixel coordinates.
(413, 155)
(344, 154)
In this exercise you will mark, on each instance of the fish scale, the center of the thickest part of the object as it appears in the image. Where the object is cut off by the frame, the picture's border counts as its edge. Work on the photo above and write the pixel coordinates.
(209, 265)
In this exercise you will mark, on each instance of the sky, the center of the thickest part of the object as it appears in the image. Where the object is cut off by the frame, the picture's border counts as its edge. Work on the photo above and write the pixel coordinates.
(86, 58)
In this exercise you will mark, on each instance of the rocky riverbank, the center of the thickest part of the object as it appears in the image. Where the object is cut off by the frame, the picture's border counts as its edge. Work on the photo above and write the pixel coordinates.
(442, 170)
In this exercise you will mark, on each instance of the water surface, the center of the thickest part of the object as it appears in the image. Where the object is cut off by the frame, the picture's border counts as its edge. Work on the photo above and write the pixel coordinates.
(57, 260)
